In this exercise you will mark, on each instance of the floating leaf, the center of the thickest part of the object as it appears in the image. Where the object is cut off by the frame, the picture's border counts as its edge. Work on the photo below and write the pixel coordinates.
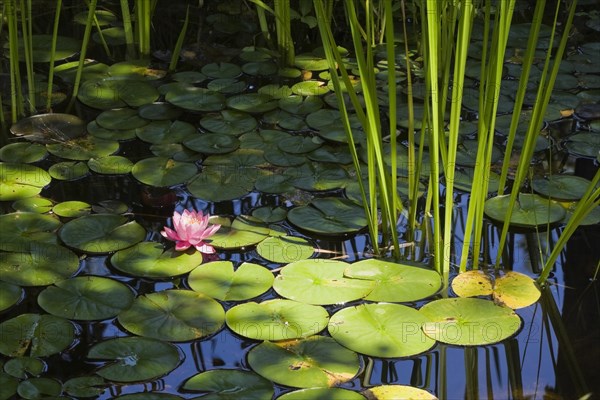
(85, 386)
(22, 367)
(229, 122)
(219, 280)
(21, 228)
(221, 183)
(39, 205)
(213, 143)
(195, 98)
(135, 70)
(9, 295)
(84, 148)
(8, 386)
(252, 102)
(107, 93)
(300, 104)
(310, 88)
(133, 359)
(309, 61)
(530, 210)
(270, 215)
(150, 260)
(173, 315)
(23, 152)
(285, 249)
(329, 216)
(230, 384)
(561, 187)
(72, 209)
(39, 388)
(87, 298)
(585, 144)
(159, 112)
(221, 70)
(322, 393)
(110, 165)
(19, 181)
(227, 85)
(385, 392)
(276, 320)
(260, 68)
(319, 281)
(36, 335)
(120, 119)
(163, 132)
(99, 132)
(380, 330)
(242, 232)
(163, 171)
(472, 283)
(515, 290)
(41, 48)
(69, 170)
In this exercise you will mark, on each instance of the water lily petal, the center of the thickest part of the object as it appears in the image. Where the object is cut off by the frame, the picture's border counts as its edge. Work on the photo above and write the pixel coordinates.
(170, 234)
(205, 248)
(182, 245)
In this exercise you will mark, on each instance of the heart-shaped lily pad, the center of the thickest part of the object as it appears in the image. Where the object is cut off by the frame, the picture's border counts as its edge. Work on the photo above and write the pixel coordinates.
(584, 144)
(230, 384)
(252, 103)
(329, 216)
(468, 321)
(299, 144)
(285, 249)
(150, 260)
(310, 88)
(322, 393)
(86, 298)
(227, 85)
(133, 359)
(41, 46)
(72, 209)
(107, 93)
(68, 170)
(85, 386)
(39, 205)
(22, 367)
(163, 171)
(213, 143)
(110, 165)
(229, 122)
(219, 280)
(515, 290)
(39, 388)
(276, 320)
(320, 281)
(194, 98)
(101, 233)
(317, 361)
(242, 232)
(269, 215)
(120, 119)
(384, 392)
(561, 187)
(472, 283)
(530, 210)
(221, 70)
(300, 104)
(159, 111)
(9, 295)
(19, 181)
(395, 282)
(173, 315)
(21, 228)
(84, 148)
(380, 330)
(99, 132)
(163, 132)
(35, 335)
(38, 264)
(23, 152)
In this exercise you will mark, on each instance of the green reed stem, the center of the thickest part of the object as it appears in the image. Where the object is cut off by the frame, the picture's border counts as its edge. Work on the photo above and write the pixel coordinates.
(26, 31)
(180, 39)
(16, 95)
(127, 27)
(49, 91)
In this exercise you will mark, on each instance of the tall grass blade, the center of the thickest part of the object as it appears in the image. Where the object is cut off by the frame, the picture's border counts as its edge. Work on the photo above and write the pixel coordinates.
(128, 28)
(180, 39)
(49, 91)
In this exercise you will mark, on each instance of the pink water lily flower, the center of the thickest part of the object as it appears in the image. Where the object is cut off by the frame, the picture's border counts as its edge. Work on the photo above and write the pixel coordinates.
(191, 229)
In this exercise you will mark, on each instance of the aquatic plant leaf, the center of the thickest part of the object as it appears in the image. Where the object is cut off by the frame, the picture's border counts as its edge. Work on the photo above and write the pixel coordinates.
(310, 88)
(39, 205)
(472, 283)
(252, 103)
(151, 260)
(8, 386)
(194, 98)
(515, 290)
(276, 319)
(163, 171)
(103, 17)
(318, 177)
(311, 62)
(329, 216)
(21, 228)
(530, 210)
(296, 104)
(322, 393)
(592, 218)
(273, 183)
(212, 143)
(87, 298)
(275, 91)
(132, 70)
(149, 396)
(72, 209)
(107, 93)
(133, 359)
(395, 282)
(35, 335)
(380, 330)
(221, 183)
(285, 249)
(41, 46)
(561, 187)
(384, 392)
(121, 119)
(468, 321)
(68, 170)
(219, 280)
(229, 122)
(164, 132)
(114, 36)
(22, 367)
(244, 231)
(101, 233)
(39, 388)
(85, 386)
(189, 77)
(110, 134)
(230, 384)
(159, 111)
(227, 85)
(110, 165)
(9, 295)
(19, 181)
(92, 70)
(583, 144)
(221, 70)
(270, 214)
(173, 315)
(464, 178)
(260, 68)
(83, 148)
(320, 282)
(38, 264)
(316, 361)
(23, 152)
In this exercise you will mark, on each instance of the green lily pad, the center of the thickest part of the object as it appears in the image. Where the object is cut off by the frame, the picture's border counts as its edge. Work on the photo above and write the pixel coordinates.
(21, 229)
(159, 112)
(275, 91)
(23, 152)
(584, 144)
(84, 148)
(103, 17)
(380, 330)
(322, 393)
(592, 218)
(110, 165)
(244, 231)
(329, 216)
(19, 181)
(219, 280)
(189, 77)
(151, 260)
(101, 233)
(39, 205)
(107, 93)
(49, 128)
(213, 143)
(276, 184)
(163, 171)
(530, 210)
(300, 104)
(9, 295)
(110, 207)
(320, 282)
(561, 187)
(173, 315)
(285, 249)
(133, 359)
(38, 264)
(515, 290)
(175, 151)
(260, 68)
(384, 392)
(309, 61)
(464, 178)
(282, 159)
(135, 70)
(114, 36)
(299, 144)
(87, 298)
(121, 119)
(163, 132)
(8, 386)
(194, 98)
(221, 70)
(85, 386)
(72, 209)
(149, 396)
(22, 367)
(92, 70)
(310, 88)
(35, 335)
(39, 388)
(330, 154)
(252, 103)
(68, 170)
(229, 122)
(395, 282)
(466, 154)
(269, 215)
(317, 361)
(99, 132)
(41, 46)
(227, 85)
(230, 384)
(221, 183)
(276, 320)
(472, 283)
(319, 177)
(468, 321)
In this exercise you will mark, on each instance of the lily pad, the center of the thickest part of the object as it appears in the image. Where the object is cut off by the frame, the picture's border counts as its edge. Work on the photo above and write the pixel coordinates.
(85, 386)
(213, 143)
(41, 46)
(395, 282)
(221, 70)
(515, 290)
(101, 233)
(9, 295)
(114, 36)
(322, 393)
(19, 181)
(561, 187)
(311, 62)
(135, 70)
(39, 205)
(384, 392)
(150, 260)
(134, 359)
(38, 264)
(173, 315)
(68, 170)
(468, 321)
(87, 298)
(317, 361)
(227, 85)
(8, 386)
(163, 132)
(23, 152)
(230, 384)
(22, 367)
(244, 231)
(110, 165)
(194, 98)
(381, 330)
(229, 122)
(530, 210)
(189, 77)
(472, 283)
(300, 105)
(275, 91)
(159, 112)
(329, 216)
(252, 103)
(107, 93)
(163, 171)
(72, 209)
(275, 184)
(92, 70)
(260, 68)
(49, 128)
(320, 282)
(84, 148)
(221, 183)
(99, 132)
(20, 229)
(110, 207)
(285, 249)
(103, 17)
(310, 88)
(319, 177)
(464, 178)
(299, 144)
(121, 119)
(584, 144)
(39, 388)
(35, 335)
(276, 320)
(219, 280)
(270, 215)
